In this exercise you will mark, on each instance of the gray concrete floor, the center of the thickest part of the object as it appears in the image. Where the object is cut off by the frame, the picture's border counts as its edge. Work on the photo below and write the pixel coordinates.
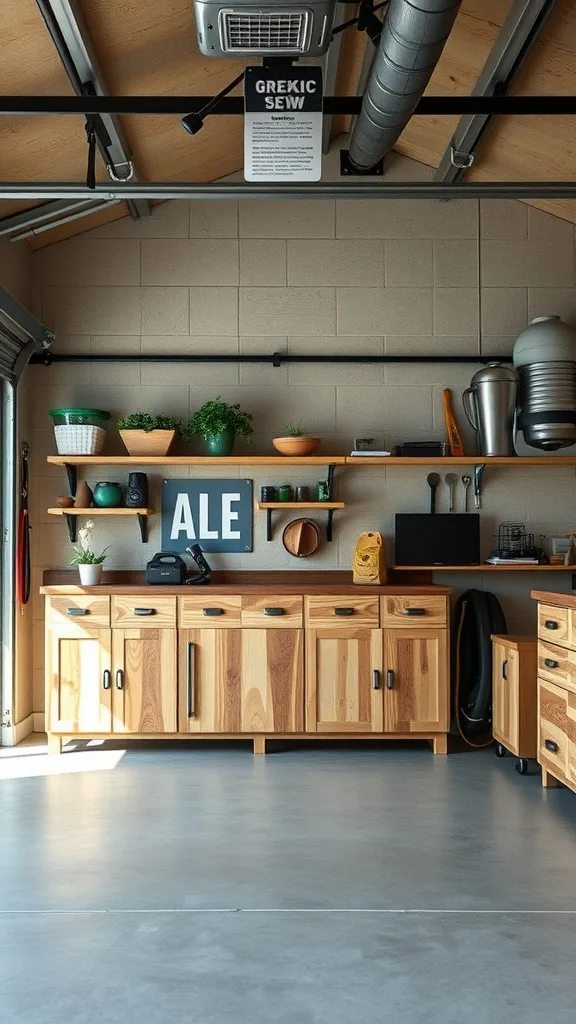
(332, 885)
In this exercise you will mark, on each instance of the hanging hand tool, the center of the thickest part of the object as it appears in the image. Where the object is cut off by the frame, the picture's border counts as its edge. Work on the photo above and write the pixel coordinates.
(478, 470)
(23, 539)
(433, 481)
(466, 480)
(455, 445)
(451, 482)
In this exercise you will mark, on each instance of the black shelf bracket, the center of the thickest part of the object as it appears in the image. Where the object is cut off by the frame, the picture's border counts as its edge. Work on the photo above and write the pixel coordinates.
(72, 474)
(331, 512)
(143, 524)
(268, 524)
(72, 524)
(270, 532)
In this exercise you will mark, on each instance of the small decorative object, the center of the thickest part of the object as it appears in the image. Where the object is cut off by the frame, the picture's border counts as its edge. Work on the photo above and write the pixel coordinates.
(570, 556)
(88, 562)
(285, 492)
(369, 564)
(515, 546)
(302, 494)
(137, 493)
(268, 493)
(108, 494)
(301, 537)
(219, 423)
(65, 502)
(79, 431)
(84, 496)
(323, 490)
(144, 434)
(296, 443)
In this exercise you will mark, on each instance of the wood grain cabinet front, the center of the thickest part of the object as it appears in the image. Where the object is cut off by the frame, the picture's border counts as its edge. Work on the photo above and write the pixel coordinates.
(241, 681)
(344, 681)
(514, 697)
(79, 681)
(144, 681)
(416, 680)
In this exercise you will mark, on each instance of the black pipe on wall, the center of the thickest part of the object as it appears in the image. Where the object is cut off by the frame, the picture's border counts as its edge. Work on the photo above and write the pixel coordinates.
(275, 359)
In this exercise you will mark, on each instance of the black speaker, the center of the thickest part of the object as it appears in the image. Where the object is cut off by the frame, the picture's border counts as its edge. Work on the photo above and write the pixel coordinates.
(137, 494)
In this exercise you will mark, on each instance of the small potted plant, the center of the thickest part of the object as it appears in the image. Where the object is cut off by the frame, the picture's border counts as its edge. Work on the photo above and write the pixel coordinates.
(219, 423)
(297, 442)
(88, 562)
(144, 434)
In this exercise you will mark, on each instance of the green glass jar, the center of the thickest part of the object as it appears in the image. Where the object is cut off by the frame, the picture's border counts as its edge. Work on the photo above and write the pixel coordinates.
(108, 495)
(285, 492)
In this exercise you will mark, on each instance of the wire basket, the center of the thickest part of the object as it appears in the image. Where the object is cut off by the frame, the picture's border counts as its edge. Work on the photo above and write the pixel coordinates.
(79, 439)
(514, 542)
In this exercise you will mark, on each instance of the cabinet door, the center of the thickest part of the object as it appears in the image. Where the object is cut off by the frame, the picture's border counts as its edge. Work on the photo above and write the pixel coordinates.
(145, 680)
(416, 680)
(241, 680)
(505, 697)
(78, 671)
(344, 680)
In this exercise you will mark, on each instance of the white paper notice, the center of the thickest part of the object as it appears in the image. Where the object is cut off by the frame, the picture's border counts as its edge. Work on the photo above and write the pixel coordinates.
(283, 124)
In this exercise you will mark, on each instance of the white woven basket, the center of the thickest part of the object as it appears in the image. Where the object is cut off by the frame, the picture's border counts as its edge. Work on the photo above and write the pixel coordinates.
(79, 439)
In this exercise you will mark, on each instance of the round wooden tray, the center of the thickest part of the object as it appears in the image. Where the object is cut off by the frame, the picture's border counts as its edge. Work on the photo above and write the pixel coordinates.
(301, 537)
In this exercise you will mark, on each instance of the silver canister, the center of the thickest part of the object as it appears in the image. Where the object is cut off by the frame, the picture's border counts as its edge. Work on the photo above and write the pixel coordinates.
(490, 407)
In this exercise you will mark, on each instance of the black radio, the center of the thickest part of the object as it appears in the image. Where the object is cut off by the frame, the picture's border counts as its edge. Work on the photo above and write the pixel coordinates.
(167, 568)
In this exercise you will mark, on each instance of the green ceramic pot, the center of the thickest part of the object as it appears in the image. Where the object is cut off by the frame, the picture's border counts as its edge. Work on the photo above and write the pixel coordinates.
(219, 444)
(108, 495)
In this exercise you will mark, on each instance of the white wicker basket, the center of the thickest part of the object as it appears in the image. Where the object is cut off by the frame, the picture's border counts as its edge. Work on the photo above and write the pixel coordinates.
(79, 439)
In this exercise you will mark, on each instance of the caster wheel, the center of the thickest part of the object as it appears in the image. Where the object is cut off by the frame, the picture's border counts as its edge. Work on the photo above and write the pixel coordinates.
(500, 751)
(522, 766)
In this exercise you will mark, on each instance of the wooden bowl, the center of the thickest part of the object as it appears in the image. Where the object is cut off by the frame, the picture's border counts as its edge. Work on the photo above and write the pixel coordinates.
(296, 447)
(301, 537)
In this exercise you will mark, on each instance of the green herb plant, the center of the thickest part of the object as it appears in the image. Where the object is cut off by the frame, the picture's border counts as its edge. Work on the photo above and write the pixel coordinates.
(83, 552)
(144, 421)
(216, 417)
(295, 430)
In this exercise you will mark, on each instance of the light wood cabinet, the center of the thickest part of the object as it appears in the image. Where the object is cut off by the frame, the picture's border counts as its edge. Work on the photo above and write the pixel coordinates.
(79, 680)
(145, 680)
(416, 674)
(241, 680)
(344, 681)
(556, 700)
(514, 698)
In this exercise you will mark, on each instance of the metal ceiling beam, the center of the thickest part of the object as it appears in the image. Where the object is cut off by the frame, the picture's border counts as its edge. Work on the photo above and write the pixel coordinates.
(517, 37)
(38, 215)
(39, 229)
(71, 37)
(313, 190)
(331, 66)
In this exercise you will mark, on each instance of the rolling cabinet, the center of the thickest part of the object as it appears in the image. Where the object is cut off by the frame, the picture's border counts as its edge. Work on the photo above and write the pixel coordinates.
(514, 697)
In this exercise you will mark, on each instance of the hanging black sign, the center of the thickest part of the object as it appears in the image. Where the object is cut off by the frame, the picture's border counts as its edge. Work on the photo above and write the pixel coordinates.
(283, 124)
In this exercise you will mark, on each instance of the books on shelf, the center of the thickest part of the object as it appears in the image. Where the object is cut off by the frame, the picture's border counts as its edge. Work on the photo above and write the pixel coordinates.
(367, 454)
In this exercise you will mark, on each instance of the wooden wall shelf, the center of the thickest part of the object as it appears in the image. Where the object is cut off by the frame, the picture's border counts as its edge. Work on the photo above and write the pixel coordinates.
(195, 460)
(464, 460)
(484, 567)
(277, 506)
(72, 514)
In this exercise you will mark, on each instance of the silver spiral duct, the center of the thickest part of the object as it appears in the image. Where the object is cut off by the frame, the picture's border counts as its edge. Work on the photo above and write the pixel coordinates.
(411, 43)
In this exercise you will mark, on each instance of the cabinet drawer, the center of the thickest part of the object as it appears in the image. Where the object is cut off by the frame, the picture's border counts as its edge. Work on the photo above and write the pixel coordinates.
(414, 610)
(339, 612)
(85, 612)
(142, 610)
(554, 727)
(553, 663)
(272, 612)
(554, 624)
(208, 612)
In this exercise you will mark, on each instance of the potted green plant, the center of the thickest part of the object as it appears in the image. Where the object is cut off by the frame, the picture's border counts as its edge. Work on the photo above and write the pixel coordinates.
(144, 434)
(88, 562)
(219, 423)
(296, 442)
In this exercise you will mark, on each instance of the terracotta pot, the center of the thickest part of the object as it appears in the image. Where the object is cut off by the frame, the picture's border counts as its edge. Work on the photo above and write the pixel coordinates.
(296, 446)
(147, 442)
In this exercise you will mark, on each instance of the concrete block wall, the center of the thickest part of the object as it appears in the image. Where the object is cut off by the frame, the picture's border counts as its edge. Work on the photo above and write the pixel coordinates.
(314, 276)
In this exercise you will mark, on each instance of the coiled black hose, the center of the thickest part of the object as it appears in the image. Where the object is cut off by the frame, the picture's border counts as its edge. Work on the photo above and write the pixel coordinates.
(478, 615)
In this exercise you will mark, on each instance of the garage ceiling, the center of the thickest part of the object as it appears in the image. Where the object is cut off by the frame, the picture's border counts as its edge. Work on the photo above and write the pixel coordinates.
(149, 48)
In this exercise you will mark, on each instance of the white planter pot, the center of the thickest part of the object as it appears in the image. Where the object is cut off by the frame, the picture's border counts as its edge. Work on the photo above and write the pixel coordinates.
(90, 575)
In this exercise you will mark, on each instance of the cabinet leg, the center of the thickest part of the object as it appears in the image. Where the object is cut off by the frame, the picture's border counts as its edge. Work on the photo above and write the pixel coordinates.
(259, 744)
(548, 780)
(54, 744)
(440, 744)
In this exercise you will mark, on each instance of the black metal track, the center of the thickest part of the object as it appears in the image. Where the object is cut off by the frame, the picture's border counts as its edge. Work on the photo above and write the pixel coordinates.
(275, 358)
(333, 105)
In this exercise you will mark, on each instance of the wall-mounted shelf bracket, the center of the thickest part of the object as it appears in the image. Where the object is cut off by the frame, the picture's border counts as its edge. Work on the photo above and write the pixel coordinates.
(478, 474)
(143, 524)
(282, 506)
(72, 524)
(72, 474)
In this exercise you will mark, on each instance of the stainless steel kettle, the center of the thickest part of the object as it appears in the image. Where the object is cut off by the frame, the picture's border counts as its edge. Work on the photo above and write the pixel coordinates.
(490, 407)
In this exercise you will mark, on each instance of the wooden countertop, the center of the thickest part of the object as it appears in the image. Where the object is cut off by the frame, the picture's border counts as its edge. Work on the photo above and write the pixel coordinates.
(549, 597)
(65, 581)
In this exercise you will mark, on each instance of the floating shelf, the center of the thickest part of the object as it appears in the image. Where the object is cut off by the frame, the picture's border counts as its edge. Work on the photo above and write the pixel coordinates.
(484, 567)
(195, 460)
(463, 460)
(72, 514)
(270, 506)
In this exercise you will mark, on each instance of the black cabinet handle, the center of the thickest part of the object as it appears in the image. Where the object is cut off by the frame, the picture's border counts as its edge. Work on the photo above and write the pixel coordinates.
(120, 679)
(274, 611)
(551, 624)
(414, 611)
(550, 663)
(377, 684)
(212, 611)
(550, 745)
(190, 688)
(144, 611)
(106, 679)
(390, 679)
(77, 612)
(343, 611)
(505, 669)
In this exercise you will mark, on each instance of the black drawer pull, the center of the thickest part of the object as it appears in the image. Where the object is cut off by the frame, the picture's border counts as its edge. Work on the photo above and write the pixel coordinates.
(212, 611)
(120, 679)
(505, 669)
(376, 683)
(144, 611)
(414, 611)
(106, 679)
(550, 745)
(190, 687)
(550, 663)
(77, 611)
(344, 611)
(551, 624)
(390, 679)
(274, 611)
